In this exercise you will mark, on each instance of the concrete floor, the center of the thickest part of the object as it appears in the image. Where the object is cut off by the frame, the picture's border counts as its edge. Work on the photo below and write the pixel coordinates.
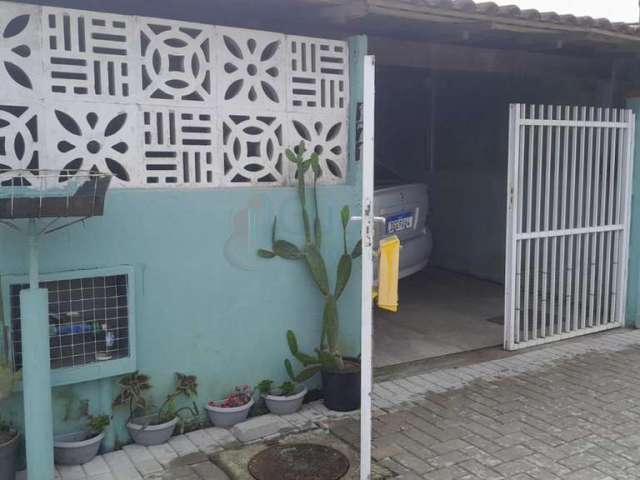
(440, 313)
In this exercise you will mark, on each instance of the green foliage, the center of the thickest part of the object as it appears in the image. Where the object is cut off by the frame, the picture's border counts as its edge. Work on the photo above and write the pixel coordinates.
(328, 355)
(134, 386)
(132, 393)
(317, 267)
(287, 250)
(357, 250)
(287, 389)
(265, 386)
(344, 273)
(97, 424)
(186, 387)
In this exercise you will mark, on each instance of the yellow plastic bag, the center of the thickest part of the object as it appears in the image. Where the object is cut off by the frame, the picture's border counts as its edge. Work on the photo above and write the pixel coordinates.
(388, 269)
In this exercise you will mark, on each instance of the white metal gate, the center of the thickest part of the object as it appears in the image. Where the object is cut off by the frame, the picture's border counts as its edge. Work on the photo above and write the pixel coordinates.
(568, 207)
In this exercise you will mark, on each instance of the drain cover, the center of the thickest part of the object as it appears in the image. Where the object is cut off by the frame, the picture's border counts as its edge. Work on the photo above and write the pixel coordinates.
(297, 461)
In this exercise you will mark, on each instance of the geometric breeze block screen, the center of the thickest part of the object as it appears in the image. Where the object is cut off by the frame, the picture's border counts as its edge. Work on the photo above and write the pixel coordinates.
(160, 103)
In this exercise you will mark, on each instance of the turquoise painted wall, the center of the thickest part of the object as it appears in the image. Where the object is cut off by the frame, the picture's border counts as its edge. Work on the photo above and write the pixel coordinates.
(633, 286)
(205, 303)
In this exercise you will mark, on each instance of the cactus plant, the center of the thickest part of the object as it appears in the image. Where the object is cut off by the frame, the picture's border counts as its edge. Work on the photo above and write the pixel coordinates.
(327, 355)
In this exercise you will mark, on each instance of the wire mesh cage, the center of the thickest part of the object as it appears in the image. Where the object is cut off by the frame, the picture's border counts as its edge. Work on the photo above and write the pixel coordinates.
(88, 320)
(52, 193)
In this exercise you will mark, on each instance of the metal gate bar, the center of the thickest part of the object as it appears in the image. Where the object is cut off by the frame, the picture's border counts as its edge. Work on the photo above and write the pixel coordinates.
(569, 192)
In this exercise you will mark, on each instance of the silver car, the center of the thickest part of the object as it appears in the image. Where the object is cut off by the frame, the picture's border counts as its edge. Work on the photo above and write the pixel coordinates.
(405, 208)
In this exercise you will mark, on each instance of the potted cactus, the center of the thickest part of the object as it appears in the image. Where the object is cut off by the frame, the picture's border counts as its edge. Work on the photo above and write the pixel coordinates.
(234, 408)
(78, 448)
(149, 426)
(284, 399)
(340, 375)
(8, 436)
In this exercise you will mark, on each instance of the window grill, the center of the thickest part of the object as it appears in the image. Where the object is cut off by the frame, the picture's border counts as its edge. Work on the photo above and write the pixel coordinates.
(88, 320)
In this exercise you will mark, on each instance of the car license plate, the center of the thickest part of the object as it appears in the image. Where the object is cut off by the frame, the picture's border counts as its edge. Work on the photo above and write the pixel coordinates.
(400, 222)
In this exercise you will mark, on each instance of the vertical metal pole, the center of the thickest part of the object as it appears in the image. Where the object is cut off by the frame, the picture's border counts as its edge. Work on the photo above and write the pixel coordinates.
(572, 304)
(512, 294)
(38, 415)
(625, 210)
(106, 408)
(555, 322)
(33, 255)
(611, 235)
(366, 329)
(528, 226)
(586, 266)
(596, 197)
(538, 171)
(546, 302)
(580, 276)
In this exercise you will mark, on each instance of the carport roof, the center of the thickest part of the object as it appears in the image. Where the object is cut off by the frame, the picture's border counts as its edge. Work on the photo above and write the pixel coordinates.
(491, 9)
(486, 22)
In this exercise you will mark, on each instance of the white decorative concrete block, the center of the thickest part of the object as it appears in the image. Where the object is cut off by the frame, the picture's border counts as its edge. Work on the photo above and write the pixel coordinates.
(86, 136)
(179, 146)
(177, 60)
(251, 70)
(318, 75)
(21, 70)
(20, 136)
(325, 135)
(253, 149)
(89, 56)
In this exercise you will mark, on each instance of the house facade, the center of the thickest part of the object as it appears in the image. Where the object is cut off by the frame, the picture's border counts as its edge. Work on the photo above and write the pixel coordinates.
(190, 107)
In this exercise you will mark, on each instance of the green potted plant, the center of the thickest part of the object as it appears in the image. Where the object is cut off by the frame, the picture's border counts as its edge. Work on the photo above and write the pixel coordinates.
(146, 424)
(232, 409)
(284, 399)
(340, 375)
(78, 448)
(8, 436)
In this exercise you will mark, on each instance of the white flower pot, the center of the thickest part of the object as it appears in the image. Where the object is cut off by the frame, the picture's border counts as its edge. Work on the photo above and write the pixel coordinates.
(228, 417)
(143, 433)
(76, 448)
(281, 405)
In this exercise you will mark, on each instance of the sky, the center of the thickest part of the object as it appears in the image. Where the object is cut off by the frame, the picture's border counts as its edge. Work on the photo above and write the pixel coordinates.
(616, 10)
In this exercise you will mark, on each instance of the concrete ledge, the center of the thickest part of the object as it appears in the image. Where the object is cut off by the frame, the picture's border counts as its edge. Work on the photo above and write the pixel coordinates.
(259, 427)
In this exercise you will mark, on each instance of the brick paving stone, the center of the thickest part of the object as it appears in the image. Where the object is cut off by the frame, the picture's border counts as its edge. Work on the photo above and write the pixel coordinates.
(142, 459)
(565, 411)
(182, 445)
(96, 467)
(121, 466)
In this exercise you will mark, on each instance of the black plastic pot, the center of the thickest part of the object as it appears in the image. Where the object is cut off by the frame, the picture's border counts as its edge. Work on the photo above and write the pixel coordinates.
(8, 458)
(341, 388)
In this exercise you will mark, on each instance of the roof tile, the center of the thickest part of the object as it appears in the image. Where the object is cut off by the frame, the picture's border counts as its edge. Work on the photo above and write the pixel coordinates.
(513, 11)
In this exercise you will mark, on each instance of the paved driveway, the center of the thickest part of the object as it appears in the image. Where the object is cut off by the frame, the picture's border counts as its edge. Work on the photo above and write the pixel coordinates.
(566, 411)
